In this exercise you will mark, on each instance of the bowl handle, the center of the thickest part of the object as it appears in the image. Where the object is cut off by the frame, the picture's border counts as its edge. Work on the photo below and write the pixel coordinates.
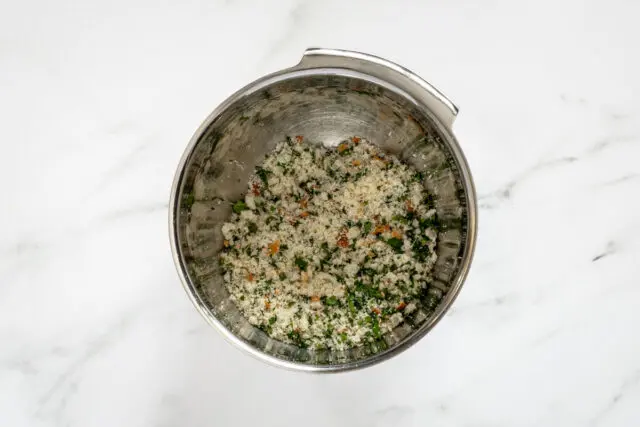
(444, 110)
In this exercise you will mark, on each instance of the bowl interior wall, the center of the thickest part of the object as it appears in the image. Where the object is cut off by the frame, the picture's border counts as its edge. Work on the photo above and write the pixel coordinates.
(324, 109)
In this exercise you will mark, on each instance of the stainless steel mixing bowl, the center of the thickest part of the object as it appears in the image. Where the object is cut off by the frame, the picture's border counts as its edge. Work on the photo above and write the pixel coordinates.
(329, 96)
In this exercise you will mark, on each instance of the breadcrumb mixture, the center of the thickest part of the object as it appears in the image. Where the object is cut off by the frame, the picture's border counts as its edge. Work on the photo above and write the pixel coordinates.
(330, 248)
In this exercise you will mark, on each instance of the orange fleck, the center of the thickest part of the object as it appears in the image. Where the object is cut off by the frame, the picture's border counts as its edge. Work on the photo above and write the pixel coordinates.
(410, 207)
(315, 298)
(401, 306)
(355, 139)
(267, 304)
(299, 138)
(342, 147)
(303, 203)
(396, 234)
(250, 277)
(343, 242)
(304, 214)
(356, 163)
(381, 229)
(226, 243)
(255, 189)
(378, 157)
(274, 247)
(376, 310)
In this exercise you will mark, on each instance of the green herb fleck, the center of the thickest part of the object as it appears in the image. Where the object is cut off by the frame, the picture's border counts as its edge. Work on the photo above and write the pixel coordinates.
(395, 243)
(351, 302)
(368, 290)
(297, 339)
(239, 206)
(431, 222)
(375, 325)
(266, 328)
(329, 331)
(431, 302)
(401, 219)
(331, 300)
(263, 174)
(429, 201)
(420, 248)
(301, 263)
(252, 227)
(188, 200)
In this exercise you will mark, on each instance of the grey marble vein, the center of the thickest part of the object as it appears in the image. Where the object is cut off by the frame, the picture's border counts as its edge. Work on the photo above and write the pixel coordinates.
(610, 141)
(572, 99)
(393, 414)
(621, 391)
(623, 179)
(134, 211)
(609, 250)
(295, 21)
(65, 383)
(492, 200)
(494, 301)
(129, 161)
(499, 196)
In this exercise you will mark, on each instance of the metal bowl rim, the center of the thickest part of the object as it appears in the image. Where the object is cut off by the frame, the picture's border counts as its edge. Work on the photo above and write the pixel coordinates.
(415, 336)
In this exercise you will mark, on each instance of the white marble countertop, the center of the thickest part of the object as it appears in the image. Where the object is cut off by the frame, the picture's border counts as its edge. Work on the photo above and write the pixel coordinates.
(98, 100)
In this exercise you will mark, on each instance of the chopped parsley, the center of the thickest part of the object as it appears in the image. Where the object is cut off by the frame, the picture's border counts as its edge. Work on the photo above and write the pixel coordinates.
(239, 206)
(188, 200)
(301, 263)
(331, 300)
(315, 263)
(263, 174)
(395, 243)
